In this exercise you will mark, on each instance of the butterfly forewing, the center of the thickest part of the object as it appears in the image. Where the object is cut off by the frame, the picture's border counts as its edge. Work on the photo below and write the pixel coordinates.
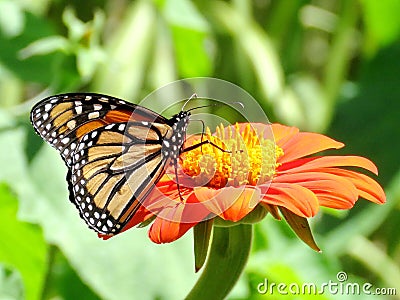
(63, 119)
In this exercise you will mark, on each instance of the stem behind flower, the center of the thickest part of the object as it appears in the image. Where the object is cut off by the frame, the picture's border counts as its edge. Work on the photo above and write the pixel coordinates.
(228, 256)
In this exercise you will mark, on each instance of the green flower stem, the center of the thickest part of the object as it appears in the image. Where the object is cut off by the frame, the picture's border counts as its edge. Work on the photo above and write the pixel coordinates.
(228, 256)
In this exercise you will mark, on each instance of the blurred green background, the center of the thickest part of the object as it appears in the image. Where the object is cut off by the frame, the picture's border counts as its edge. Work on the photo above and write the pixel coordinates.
(325, 66)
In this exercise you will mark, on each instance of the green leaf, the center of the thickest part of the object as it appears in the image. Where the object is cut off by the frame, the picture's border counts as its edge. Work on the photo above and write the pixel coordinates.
(382, 22)
(11, 285)
(228, 256)
(202, 234)
(11, 18)
(127, 53)
(184, 13)
(191, 53)
(63, 282)
(191, 38)
(30, 69)
(257, 46)
(362, 249)
(45, 46)
(22, 245)
(76, 28)
(300, 227)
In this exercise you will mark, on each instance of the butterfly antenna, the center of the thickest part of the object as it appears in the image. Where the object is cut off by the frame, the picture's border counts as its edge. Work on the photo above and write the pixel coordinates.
(216, 104)
(194, 96)
(238, 103)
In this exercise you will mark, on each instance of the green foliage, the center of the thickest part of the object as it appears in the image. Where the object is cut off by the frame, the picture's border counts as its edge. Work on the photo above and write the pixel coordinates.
(27, 254)
(326, 66)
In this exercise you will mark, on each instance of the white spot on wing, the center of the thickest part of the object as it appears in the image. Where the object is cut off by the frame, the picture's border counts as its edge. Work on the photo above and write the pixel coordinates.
(71, 124)
(93, 115)
(47, 107)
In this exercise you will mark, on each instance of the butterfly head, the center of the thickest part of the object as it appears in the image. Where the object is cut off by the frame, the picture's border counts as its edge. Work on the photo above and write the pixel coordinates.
(173, 144)
(180, 121)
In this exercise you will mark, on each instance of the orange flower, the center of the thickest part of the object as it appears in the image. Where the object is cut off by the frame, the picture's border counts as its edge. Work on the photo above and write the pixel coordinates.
(267, 165)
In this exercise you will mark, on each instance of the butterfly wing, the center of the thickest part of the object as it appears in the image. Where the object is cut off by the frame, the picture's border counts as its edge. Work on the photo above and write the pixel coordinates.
(112, 149)
(62, 120)
(114, 168)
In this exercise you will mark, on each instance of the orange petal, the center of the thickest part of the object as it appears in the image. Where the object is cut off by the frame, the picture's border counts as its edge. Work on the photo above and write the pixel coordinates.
(165, 231)
(334, 201)
(229, 203)
(175, 220)
(294, 197)
(367, 188)
(311, 163)
(306, 143)
(140, 216)
(283, 133)
(324, 184)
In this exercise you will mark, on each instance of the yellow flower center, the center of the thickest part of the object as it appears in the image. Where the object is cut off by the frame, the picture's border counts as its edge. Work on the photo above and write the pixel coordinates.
(249, 158)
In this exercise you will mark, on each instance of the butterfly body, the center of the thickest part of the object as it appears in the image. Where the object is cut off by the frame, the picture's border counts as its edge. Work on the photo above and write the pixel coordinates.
(115, 152)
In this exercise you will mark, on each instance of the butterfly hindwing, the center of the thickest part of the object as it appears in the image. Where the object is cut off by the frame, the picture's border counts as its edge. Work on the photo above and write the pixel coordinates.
(113, 170)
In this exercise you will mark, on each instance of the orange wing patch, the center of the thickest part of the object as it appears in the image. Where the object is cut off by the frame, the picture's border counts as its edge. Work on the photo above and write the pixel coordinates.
(113, 116)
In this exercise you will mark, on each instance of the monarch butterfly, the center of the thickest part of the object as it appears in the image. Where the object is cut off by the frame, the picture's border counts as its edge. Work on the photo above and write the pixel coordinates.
(115, 152)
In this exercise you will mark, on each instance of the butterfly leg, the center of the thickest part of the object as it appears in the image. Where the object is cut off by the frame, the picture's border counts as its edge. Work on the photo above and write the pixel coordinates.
(203, 143)
(177, 180)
